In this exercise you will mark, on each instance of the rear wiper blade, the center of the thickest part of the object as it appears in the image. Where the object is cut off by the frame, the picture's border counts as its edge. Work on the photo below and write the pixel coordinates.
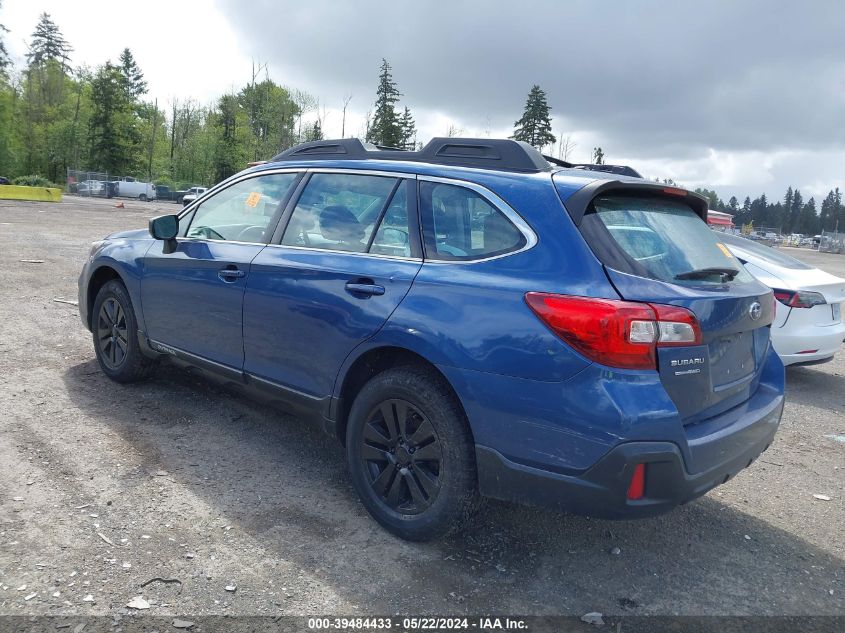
(700, 273)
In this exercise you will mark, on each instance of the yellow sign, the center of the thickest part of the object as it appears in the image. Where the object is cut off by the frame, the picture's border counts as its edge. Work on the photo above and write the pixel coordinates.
(253, 199)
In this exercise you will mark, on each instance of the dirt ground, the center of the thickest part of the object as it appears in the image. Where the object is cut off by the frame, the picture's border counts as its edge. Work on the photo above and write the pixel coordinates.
(104, 487)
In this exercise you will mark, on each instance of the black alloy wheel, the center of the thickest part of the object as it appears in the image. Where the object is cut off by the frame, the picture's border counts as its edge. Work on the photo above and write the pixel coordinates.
(402, 455)
(115, 333)
(112, 333)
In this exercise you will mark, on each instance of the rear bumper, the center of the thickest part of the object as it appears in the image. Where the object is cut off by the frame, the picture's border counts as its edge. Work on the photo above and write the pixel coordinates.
(601, 491)
(789, 342)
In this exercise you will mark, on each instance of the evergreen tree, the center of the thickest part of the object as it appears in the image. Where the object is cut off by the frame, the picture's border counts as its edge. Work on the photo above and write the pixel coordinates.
(133, 77)
(386, 128)
(794, 211)
(48, 44)
(409, 130)
(808, 220)
(4, 54)
(114, 136)
(733, 204)
(314, 132)
(535, 126)
(598, 156)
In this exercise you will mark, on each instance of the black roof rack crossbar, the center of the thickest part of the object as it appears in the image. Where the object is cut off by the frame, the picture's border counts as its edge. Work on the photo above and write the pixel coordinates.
(486, 153)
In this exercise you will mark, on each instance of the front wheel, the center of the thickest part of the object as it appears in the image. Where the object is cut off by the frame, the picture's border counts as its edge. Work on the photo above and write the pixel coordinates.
(116, 335)
(411, 454)
(142, 197)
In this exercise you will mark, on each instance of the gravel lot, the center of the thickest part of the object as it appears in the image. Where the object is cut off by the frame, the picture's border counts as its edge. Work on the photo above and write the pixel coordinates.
(104, 487)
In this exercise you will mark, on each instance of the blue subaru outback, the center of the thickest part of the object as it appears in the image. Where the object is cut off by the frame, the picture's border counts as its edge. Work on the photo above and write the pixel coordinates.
(468, 320)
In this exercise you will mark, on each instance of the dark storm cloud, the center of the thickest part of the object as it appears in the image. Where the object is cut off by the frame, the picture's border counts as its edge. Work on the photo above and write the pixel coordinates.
(655, 77)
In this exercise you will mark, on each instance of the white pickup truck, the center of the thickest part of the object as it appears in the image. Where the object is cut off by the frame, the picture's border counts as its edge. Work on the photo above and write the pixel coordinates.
(192, 194)
(131, 188)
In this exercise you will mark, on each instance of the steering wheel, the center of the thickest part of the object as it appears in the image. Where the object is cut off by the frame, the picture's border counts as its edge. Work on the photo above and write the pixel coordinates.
(206, 231)
(251, 234)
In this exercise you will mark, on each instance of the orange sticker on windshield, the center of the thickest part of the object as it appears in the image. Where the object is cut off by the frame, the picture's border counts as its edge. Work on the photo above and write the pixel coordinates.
(725, 250)
(252, 199)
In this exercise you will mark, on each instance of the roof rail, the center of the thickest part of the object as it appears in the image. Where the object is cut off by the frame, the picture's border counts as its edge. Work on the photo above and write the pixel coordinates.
(484, 153)
(621, 170)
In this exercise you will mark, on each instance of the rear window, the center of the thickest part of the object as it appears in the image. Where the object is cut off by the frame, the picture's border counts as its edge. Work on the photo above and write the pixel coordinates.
(766, 253)
(659, 239)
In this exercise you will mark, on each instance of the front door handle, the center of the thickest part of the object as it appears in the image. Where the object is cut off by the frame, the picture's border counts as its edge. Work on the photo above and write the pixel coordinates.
(230, 274)
(370, 289)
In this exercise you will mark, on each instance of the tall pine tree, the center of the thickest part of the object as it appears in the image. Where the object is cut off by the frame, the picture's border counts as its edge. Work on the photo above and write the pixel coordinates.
(136, 86)
(409, 130)
(48, 44)
(114, 135)
(5, 61)
(386, 127)
(535, 126)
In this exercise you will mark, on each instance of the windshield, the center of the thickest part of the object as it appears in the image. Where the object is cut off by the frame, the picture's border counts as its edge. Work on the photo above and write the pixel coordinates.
(766, 253)
(666, 240)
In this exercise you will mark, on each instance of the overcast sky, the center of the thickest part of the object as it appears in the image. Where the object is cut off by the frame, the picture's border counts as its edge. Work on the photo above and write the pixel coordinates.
(745, 96)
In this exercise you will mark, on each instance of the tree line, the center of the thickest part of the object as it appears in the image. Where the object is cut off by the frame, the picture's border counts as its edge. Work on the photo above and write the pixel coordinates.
(54, 117)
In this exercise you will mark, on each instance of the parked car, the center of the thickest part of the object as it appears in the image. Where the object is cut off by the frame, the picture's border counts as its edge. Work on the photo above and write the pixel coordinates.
(91, 188)
(466, 319)
(5, 181)
(192, 194)
(808, 327)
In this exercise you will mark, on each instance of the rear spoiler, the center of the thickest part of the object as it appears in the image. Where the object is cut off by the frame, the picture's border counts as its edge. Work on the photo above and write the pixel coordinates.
(578, 203)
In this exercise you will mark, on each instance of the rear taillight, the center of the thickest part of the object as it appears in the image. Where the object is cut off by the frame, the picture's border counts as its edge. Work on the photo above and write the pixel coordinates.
(799, 299)
(623, 334)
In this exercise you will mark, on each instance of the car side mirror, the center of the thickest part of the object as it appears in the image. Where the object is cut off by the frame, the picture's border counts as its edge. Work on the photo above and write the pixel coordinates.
(164, 227)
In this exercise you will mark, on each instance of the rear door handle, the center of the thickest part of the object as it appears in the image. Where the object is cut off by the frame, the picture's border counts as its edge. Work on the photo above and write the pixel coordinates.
(230, 274)
(364, 289)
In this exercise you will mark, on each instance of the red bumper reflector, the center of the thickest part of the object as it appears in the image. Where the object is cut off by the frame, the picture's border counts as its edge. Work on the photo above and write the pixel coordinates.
(809, 351)
(637, 488)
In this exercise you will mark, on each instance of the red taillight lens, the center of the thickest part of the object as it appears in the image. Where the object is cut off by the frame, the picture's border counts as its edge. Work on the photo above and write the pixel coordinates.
(622, 334)
(598, 328)
(800, 299)
(636, 490)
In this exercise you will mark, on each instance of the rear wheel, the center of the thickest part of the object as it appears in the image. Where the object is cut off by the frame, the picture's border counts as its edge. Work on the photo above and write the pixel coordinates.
(116, 335)
(411, 454)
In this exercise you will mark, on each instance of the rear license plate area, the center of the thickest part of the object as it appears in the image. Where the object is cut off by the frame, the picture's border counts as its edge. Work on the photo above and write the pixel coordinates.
(731, 358)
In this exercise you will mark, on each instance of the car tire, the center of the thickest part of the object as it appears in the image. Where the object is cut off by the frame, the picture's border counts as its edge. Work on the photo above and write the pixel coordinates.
(421, 482)
(142, 197)
(115, 333)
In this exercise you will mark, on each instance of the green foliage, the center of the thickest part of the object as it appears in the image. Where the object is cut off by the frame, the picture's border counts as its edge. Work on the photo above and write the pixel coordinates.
(48, 44)
(114, 133)
(386, 128)
(535, 126)
(409, 130)
(33, 180)
(134, 83)
(5, 62)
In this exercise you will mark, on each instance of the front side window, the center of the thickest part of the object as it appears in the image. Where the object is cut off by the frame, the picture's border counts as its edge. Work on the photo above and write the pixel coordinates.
(459, 224)
(340, 212)
(241, 212)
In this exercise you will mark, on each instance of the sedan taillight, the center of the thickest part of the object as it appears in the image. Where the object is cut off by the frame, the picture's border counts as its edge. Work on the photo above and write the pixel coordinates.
(800, 298)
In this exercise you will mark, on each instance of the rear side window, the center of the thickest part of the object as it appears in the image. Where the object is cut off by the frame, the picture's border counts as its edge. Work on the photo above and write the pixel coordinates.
(659, 239)
(459, 224)
(340, 212)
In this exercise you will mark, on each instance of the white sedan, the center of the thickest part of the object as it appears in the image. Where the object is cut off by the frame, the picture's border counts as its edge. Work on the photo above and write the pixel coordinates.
(808, 327)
